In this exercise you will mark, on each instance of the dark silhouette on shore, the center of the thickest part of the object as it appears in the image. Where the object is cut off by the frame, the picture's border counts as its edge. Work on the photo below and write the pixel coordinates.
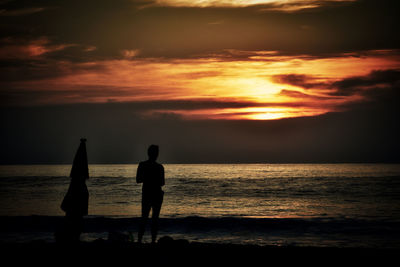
(151, 174)
(76, 201)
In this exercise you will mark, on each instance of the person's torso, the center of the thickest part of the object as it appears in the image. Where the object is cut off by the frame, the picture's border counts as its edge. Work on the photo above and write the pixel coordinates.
(152, 173)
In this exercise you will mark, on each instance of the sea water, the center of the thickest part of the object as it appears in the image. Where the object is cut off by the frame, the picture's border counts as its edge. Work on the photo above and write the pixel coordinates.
(270, 204)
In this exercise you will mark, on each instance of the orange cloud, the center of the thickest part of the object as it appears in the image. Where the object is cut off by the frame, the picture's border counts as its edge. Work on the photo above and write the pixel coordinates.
(241, 80)
(18, 49)
(286, 5)
(128, 54)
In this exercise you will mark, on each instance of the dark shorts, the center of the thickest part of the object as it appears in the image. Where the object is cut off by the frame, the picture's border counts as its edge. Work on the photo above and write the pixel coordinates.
(152, 200)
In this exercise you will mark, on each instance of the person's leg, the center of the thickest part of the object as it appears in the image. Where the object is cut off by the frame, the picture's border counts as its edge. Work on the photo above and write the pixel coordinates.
(146, 205)
(154, 218)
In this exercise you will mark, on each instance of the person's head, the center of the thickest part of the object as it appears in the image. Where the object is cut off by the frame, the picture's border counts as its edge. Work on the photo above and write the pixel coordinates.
(152, 152)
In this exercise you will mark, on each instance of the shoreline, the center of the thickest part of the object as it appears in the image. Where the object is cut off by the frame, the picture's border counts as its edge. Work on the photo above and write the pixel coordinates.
(291, 232)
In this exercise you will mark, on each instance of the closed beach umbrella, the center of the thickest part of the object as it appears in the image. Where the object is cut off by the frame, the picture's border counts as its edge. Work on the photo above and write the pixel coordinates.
(80, 165)
(76, 201)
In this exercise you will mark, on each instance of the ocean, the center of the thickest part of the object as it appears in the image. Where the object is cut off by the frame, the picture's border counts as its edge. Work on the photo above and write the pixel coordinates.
(335, 205)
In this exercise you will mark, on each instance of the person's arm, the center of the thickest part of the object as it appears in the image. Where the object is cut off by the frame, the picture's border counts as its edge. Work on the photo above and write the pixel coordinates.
(162, 176)
(139, 174)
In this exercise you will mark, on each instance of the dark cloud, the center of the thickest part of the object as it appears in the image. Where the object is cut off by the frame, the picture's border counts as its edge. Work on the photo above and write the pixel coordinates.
(311, 98)
(362, 85)
(301, 6)
(353, 85)
(38, 69)
(125, 25)
(26, 59)
(199, 104)
(21, 11)
(113, 95)
(300, 80)
(199, 74)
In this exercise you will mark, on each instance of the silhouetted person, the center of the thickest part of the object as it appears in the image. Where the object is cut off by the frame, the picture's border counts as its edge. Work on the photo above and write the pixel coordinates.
(76, 201)
(151, 174)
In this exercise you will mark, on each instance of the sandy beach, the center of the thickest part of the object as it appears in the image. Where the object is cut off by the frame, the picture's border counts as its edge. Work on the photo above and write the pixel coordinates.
(184, 253)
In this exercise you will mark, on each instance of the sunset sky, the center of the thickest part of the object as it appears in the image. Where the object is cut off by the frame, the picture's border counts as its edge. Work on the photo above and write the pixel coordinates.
(210, 81)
